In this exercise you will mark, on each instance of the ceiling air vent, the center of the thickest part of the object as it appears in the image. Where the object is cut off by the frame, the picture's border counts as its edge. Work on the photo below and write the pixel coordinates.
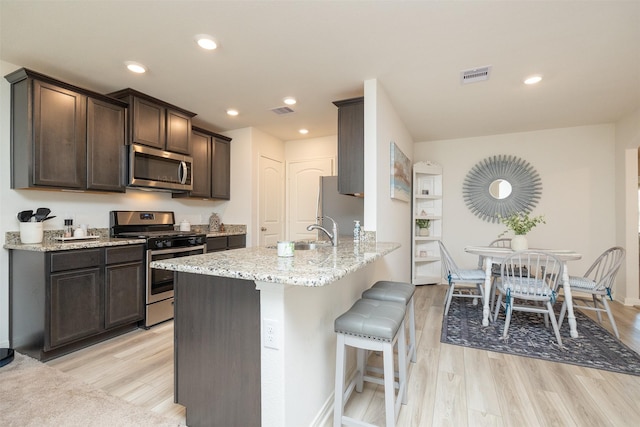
(282, 110)
(475, 75)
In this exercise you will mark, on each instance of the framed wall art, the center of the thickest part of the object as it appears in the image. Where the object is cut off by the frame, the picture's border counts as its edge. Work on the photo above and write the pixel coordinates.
(400, 174)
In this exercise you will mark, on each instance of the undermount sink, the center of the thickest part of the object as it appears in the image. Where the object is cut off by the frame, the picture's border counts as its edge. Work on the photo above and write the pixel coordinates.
(305, 245)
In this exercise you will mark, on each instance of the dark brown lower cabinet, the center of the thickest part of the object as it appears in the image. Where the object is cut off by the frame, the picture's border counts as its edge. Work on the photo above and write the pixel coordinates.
(237, 241)
(124, 303)
(74, 306)
(223, 243)
(65, 300)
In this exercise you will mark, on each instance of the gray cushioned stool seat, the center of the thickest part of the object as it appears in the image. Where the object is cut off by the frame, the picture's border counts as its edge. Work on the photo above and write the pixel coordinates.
(385, 290)
(402, 292)
(372, 319)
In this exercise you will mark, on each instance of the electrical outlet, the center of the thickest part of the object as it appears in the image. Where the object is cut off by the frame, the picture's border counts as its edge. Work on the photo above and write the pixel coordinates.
(271, 334)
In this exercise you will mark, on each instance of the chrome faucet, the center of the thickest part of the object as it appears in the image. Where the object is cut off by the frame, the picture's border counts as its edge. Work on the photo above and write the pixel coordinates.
(332, 236)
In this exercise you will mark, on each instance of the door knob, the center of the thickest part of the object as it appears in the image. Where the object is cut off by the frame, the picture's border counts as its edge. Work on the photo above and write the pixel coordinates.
(263, 228)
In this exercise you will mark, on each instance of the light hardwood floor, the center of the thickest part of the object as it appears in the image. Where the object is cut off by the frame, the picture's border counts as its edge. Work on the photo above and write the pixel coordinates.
(448, 386)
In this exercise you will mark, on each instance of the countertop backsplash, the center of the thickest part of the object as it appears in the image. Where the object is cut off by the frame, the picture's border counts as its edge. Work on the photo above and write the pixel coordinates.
(228, 229)
(13, 237)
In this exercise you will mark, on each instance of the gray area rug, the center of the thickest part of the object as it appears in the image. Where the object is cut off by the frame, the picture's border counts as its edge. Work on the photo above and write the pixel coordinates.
(34, 394)
(595, 347)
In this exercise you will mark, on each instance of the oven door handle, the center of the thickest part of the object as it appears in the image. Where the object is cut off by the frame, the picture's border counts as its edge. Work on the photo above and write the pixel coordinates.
(176, 250)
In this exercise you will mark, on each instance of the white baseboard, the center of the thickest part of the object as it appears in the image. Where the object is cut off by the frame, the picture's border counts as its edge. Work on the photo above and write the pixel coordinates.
(326, 412)
(631, 301)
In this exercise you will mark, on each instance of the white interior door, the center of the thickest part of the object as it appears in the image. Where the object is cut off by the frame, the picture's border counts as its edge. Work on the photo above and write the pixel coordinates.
(271, 201)
(303, 181)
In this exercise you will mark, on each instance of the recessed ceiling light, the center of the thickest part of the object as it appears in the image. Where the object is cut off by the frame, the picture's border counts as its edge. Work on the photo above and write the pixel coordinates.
(232, 112)
(290, 100)
(205, 41)
(532, 80)
(136, 67)
(304, 131)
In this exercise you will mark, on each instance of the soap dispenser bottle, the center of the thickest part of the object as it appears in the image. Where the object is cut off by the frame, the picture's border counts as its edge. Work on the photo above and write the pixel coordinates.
(356, 232)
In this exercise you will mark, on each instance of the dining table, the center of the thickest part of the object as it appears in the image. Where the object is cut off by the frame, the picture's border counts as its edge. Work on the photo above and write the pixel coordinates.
(492, 254)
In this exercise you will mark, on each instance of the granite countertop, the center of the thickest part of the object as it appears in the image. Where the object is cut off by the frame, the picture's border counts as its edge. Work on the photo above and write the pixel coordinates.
(318, 267)
(50, 243)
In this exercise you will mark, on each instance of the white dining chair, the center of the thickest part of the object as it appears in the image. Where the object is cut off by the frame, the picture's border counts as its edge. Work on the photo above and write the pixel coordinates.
(495, 267)
(597, 285)
(532, 289)
(497, 243)
(462, 282)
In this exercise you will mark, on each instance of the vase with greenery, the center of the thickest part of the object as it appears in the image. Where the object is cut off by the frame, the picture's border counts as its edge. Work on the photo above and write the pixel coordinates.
(521, 224)
(423, 226)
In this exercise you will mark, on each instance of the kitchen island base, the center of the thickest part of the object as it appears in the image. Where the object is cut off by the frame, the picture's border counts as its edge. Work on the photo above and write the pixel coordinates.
(254, 333)
(217, 351)
(226, 375)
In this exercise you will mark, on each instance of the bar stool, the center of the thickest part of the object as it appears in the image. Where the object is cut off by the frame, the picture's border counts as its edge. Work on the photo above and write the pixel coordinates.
(401, 292)
(377, 326)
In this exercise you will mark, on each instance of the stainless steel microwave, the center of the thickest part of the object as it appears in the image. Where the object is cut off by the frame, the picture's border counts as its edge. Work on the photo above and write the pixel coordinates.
(159, 170)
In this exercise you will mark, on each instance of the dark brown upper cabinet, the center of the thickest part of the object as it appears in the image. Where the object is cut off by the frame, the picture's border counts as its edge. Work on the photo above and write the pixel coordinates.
(351, 146)
(211, 154)
(63, 136)
(106, 124)
(156, 123)
(201, 166)
(220, 168)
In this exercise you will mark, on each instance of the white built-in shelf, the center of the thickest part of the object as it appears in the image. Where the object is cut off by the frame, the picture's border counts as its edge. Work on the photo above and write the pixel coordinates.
(426, 265)
(427, 259)
(432, 217)
(427, 279)
(428, 197)
(427, 239)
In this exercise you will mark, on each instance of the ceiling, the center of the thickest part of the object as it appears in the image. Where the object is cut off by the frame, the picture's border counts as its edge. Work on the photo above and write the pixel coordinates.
(322, 51)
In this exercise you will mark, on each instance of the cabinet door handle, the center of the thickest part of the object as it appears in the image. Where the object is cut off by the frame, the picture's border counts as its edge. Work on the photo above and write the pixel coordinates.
(263, 228)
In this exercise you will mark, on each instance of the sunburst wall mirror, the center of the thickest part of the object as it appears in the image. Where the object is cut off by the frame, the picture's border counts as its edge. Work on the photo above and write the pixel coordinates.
(500, 186)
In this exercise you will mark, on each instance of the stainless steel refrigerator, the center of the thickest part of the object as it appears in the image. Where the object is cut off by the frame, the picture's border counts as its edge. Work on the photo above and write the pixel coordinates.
(342, 208)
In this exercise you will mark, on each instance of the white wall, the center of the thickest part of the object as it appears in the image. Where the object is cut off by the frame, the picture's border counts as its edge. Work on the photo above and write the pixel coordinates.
(389, 218)
(242, 204)
(313, 148)
(577, 169)
(627, 143)
(93, 209)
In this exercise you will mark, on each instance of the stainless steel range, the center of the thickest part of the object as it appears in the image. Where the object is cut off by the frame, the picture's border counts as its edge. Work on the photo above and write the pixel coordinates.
(162, 242)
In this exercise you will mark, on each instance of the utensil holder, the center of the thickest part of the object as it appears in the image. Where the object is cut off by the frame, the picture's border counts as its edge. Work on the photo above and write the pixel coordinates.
(31, 232)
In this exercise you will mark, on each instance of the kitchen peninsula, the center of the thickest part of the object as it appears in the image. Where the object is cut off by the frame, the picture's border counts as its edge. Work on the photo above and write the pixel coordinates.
(227, 371)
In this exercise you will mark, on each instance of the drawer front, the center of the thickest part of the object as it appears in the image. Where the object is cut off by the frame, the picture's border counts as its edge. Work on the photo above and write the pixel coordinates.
(216, 244)
(73, 260)
(237, 241)
(122, 254)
